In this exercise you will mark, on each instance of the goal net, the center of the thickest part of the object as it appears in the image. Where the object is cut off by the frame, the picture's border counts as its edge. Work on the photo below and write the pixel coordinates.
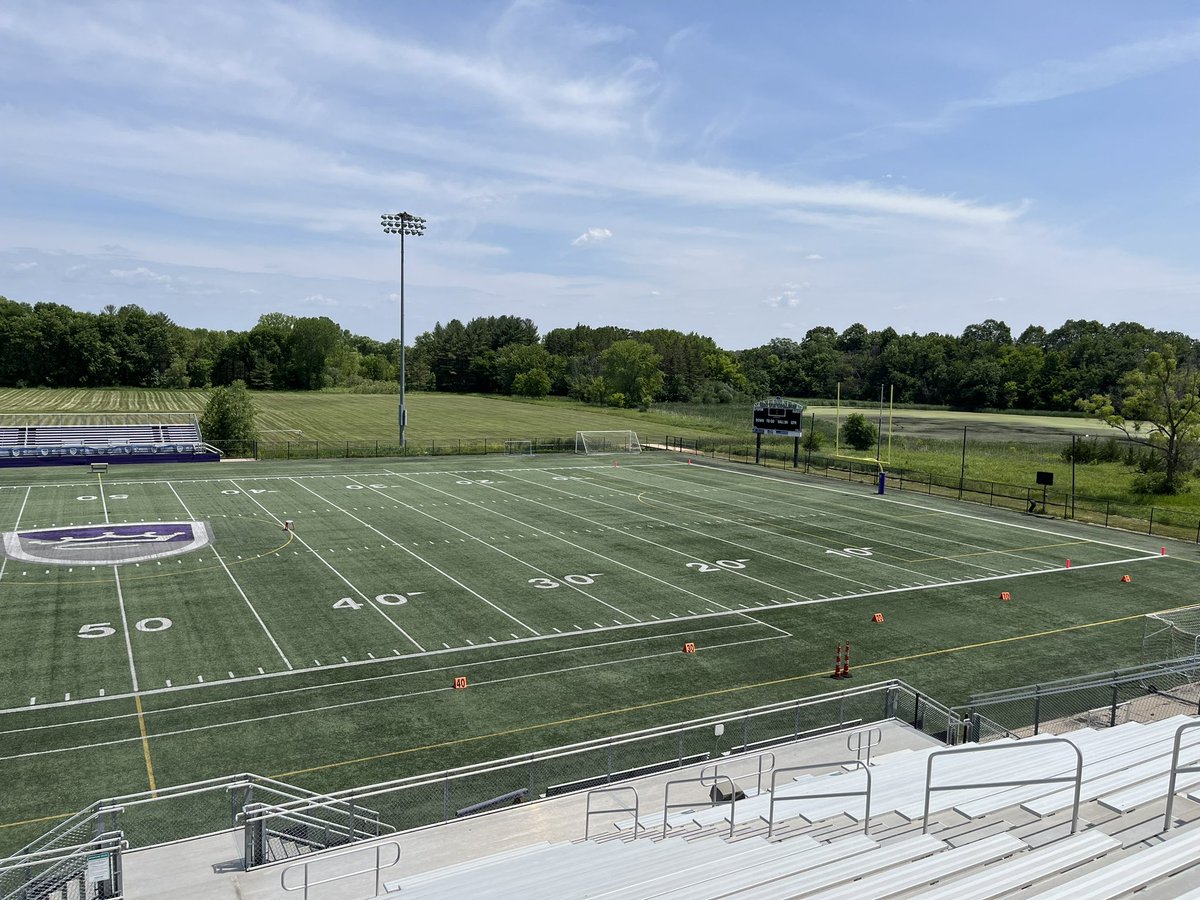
(594, 443)
(1172, 635)
(518, 448)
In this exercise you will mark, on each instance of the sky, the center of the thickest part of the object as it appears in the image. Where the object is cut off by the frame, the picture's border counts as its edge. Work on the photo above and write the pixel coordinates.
(748, 171)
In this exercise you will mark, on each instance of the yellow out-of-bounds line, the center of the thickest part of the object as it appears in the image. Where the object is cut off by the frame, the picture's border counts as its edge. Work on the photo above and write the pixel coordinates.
(616, 712)
(137, 699)
(824, 673)
(229, 562)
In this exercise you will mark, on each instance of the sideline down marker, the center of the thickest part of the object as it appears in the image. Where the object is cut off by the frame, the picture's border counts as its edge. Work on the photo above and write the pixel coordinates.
(460, 682)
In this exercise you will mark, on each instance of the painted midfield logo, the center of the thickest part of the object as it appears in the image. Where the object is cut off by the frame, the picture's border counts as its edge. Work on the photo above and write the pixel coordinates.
(109, 545)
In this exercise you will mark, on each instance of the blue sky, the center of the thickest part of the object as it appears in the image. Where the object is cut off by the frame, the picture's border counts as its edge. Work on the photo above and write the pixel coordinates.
(747, 171)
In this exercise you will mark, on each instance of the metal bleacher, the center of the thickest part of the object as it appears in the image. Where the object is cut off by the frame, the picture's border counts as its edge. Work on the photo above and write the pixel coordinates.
(59, 444)
(1001, 821)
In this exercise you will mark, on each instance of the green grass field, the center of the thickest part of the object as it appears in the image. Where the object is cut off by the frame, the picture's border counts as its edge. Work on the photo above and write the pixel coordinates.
(562, 587)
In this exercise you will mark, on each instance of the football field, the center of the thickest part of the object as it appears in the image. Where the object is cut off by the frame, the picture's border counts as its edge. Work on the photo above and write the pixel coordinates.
(164, 624)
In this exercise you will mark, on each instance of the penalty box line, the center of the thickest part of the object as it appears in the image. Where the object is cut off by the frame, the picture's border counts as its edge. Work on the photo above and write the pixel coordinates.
(409, 695)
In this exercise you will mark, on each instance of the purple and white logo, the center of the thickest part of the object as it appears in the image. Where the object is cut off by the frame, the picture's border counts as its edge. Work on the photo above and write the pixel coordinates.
(110, 545)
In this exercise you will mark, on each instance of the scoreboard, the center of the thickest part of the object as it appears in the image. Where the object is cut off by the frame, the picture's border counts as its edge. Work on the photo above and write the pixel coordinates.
(779, 417)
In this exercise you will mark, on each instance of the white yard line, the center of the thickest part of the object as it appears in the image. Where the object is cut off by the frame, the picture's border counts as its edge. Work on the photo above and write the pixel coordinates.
(236, 586)
(690, 634)
(125, 627)
(679, 526)
(911, 505)
(490, 546)
(872, 523)
(569, 543)
(422, 560)
(103, 500)
(317, 475)
(344, 579)
(254, 720)
(17, 526)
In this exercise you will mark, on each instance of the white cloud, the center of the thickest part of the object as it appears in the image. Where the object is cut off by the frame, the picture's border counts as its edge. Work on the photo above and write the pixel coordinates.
(23, 267)
(789, 297)
(140, 275)
(592, 236)
(814, 257)
(320, 300)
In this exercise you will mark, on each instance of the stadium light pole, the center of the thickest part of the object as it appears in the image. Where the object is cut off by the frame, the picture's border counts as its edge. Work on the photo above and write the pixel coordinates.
(402, 224)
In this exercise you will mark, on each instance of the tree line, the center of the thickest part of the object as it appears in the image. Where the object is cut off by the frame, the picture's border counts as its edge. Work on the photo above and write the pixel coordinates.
(984, 367)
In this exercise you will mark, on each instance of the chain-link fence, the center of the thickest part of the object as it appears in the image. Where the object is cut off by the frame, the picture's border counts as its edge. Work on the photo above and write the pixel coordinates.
(423, 800)
(280, 821)
(1139, 693)
(370, 449)
(88, 870)
(1153, 520)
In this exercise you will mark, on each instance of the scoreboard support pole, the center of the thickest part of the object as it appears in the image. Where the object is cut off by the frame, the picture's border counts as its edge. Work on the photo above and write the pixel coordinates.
(757, 448)
(796, 453)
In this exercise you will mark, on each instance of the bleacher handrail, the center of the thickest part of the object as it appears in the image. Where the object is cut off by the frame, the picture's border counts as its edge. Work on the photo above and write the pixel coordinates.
(376, 868)
(874, 736)
(1077, 778)
(858, 764)
(848, 700)
(427, 779)
(758, 774)
(588, 812)
(1176, 769)
(668, 806)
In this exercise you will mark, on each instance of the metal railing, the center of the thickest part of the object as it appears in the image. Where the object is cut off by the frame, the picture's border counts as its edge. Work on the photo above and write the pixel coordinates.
(1093, 700)
(758, 774)
(621, 788)
(90, 870)
(713, 801)
(1077, 778)
(866, 739)
(1176, 770)
(1152, 520)
(858, 764)
(375, 869)
(218, 805)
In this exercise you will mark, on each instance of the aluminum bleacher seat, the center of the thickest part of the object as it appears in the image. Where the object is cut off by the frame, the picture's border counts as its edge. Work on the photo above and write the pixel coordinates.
(1025, 868)
(930, 869)
(1131, 871)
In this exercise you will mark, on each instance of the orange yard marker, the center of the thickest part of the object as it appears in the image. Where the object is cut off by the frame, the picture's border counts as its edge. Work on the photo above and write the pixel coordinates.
(1005, 595)
(1125, 579)
(460, 682)
(689, 647)
(877, 618)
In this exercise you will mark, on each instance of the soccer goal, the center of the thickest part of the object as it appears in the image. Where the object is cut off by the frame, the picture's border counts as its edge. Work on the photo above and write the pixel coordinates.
(593, 443)
(1171, 635)
(518, 448)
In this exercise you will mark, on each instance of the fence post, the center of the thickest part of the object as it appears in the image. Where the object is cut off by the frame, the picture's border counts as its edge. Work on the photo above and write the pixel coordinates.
(318, 449)
(347, 456)
(1037, 711)
(1108, 506)
(1151, 529)
(1112, 715)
